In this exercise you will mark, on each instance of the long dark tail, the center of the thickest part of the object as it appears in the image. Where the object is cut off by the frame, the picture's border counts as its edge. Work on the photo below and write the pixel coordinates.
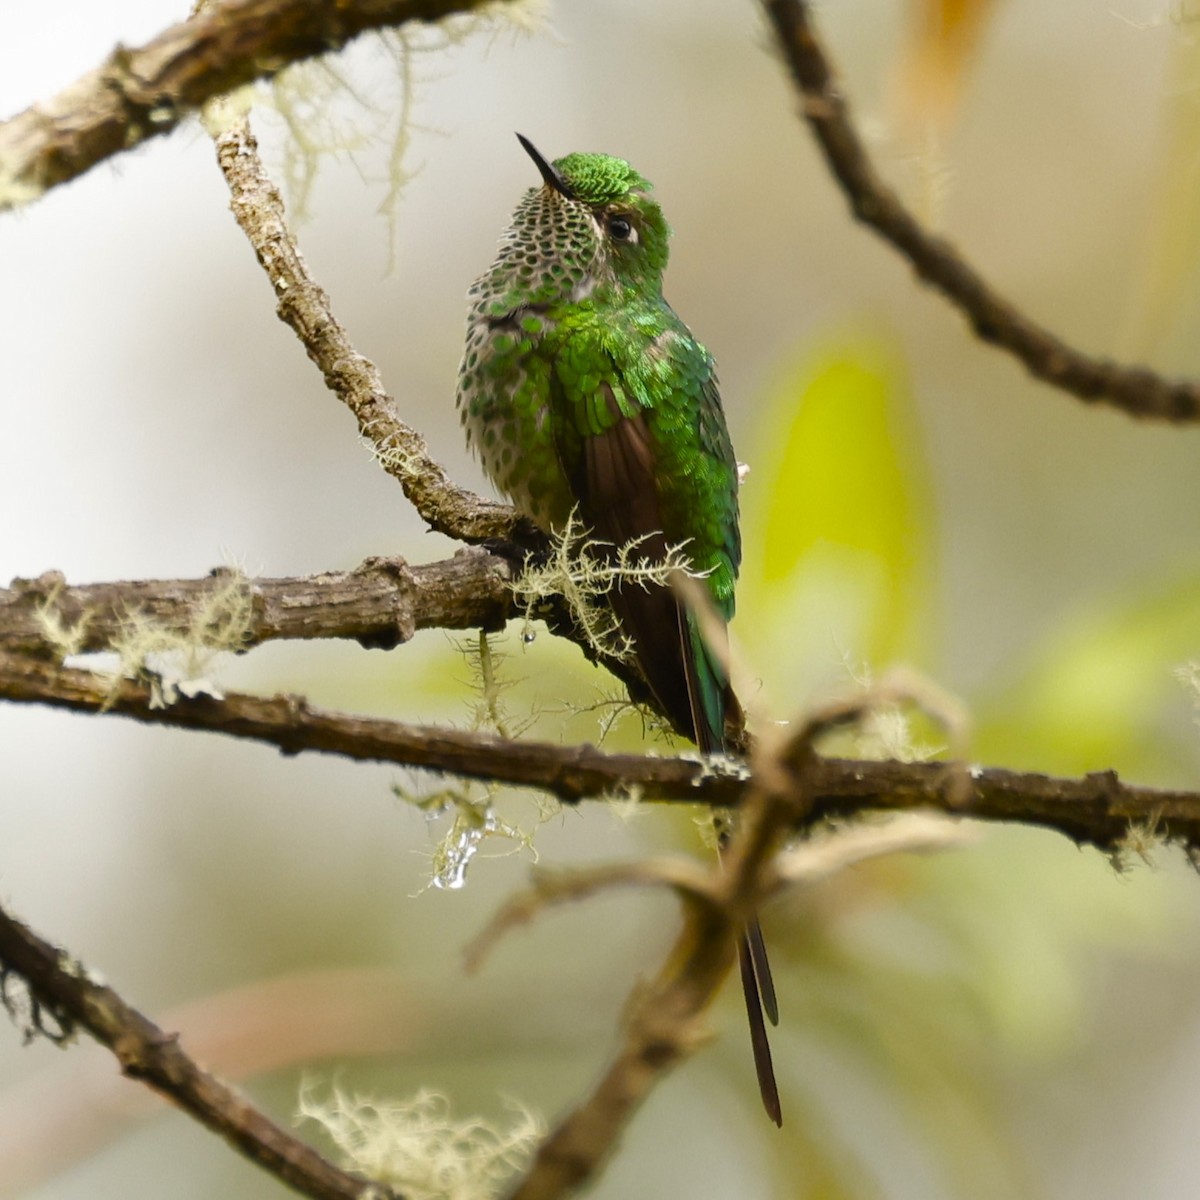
(693, 688)
(615, 479)
(759, 992)
(712, 700)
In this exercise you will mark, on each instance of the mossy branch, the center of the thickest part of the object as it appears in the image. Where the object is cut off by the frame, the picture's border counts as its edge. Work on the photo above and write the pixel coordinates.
(381, 603)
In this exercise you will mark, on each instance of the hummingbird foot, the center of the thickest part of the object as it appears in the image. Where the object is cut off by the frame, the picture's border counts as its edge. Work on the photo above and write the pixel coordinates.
(528, 548)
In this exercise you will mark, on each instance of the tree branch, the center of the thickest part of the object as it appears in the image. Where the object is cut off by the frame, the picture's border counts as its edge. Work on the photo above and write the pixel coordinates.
(54, 1121)
(354, 379)
(380, 604)
(61, 987)
(1097, 810)
(1134, 389)
(137, 94)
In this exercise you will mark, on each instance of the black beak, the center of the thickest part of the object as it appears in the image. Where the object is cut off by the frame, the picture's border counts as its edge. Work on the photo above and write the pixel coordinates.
(549, 174)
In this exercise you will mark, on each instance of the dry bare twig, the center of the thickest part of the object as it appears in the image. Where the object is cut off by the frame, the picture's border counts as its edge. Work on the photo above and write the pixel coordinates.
(666, 1018)
(1134, 389)
(580, 883)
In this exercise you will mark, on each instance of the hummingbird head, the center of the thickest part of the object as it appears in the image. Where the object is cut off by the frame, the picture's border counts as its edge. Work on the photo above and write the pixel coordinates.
(596, 212)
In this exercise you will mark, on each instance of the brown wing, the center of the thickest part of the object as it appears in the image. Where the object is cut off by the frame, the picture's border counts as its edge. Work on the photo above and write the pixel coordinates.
(618, 494)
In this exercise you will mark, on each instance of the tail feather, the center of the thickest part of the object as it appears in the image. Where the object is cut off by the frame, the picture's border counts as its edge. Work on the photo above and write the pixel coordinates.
(711, 699)
(614, 474)
(710, 695)
(768, 1089)
(762, 970)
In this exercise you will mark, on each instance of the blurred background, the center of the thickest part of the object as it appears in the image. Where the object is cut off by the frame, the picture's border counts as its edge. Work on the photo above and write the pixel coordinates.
(1015, 1019)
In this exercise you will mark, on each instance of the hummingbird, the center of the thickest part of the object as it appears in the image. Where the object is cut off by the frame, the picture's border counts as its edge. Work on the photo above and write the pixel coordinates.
(586, 396)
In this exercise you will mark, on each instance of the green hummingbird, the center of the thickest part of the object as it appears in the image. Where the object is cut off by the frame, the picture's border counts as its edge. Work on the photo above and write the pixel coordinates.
(584, 393)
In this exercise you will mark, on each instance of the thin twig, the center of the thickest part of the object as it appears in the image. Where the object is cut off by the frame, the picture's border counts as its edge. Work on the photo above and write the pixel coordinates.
(353, 378)
(61, 985)
(1135, 389)
(580, 883)
(665, 1019)
(1097, 810)
(141, 93)
(823, 855)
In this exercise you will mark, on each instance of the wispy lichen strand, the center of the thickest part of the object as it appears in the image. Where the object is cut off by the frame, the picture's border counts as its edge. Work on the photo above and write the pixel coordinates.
(419, 1148)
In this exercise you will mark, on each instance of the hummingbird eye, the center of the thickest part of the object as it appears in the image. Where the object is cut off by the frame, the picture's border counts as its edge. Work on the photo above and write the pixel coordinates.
(620, 229)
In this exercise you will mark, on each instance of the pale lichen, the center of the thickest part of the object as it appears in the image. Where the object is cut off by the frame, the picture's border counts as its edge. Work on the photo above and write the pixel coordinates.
(626, 804)
(418, 1147)
(324, 113)
(584, 571)
(401, 459)
(65, 640)
(178, 661)
(220, 115)
(1142, 839)
(474, 819)
(489, 711)
(886, 732)
(885, 729)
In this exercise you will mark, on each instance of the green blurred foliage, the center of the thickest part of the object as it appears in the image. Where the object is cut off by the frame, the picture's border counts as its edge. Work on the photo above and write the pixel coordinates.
(837, 517)
(1102, 690)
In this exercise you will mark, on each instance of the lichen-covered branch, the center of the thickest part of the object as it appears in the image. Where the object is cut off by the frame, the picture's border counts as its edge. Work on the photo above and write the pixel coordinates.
(381, 603)
(63, 996)
(1134, 389)
(355, 380)
(1097, 810)
(140, 93)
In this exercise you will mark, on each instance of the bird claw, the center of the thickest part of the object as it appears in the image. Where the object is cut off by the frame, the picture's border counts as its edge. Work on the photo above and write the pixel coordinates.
(527, 549)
